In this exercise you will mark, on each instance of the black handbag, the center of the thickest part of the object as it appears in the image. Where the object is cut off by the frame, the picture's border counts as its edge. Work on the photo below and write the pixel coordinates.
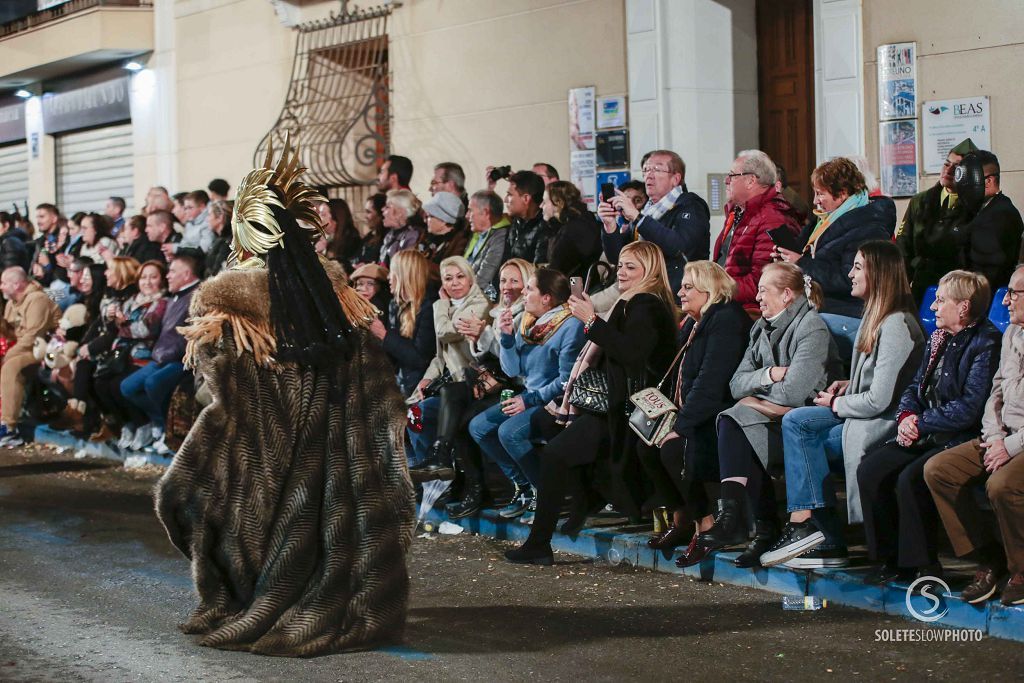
(434, 387)
(590, 391)
(112, 363)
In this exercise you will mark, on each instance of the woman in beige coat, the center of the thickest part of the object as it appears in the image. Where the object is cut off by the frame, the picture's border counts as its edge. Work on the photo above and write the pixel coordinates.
(441, 411)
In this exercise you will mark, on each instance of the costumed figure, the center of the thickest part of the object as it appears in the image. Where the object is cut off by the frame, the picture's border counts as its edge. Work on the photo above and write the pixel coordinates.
(290, 495)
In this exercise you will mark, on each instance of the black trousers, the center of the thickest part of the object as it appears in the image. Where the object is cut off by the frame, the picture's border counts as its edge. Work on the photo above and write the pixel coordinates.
(736, 458)
(900, 518)
(107, 394)
(664, 468)
(564, 464)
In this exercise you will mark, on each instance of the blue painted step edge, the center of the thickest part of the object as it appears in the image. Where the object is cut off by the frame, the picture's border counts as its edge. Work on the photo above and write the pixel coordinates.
(44, 434)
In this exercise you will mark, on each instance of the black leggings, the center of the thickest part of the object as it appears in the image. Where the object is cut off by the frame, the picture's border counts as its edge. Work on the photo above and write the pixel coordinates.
(107, 393)
(664, 467)
(563, 469)
(736, 458)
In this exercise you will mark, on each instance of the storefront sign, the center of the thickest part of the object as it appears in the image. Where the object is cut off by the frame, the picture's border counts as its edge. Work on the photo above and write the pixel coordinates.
(581, 119)
(92, 105)
(946, 122)
(898, 157)
(12, 122)
(897, 81)
(611, 112)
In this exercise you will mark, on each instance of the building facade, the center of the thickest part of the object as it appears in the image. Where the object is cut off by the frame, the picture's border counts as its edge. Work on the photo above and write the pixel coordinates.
(479, 82)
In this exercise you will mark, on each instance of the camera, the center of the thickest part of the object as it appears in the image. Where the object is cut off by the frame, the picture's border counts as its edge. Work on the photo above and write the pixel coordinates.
(499, 173)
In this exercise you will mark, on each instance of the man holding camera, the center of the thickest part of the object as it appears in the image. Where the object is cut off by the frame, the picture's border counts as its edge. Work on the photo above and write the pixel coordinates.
(676, 220)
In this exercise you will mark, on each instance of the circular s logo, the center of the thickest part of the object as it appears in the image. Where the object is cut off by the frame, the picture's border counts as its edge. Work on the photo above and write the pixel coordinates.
(937, 610)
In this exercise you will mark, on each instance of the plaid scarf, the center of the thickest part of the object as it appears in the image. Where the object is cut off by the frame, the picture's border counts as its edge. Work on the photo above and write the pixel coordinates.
(659, 208)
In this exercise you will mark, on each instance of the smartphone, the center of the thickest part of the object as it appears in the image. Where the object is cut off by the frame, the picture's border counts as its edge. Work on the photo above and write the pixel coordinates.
(607, 191)
(576, 286)
(784, 237)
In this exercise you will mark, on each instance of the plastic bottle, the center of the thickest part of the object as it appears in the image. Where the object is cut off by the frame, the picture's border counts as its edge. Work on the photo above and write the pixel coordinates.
(803, 602)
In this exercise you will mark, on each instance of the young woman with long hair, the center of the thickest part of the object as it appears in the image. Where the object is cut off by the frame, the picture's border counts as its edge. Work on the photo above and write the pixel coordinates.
(595, 457)
(850, 417)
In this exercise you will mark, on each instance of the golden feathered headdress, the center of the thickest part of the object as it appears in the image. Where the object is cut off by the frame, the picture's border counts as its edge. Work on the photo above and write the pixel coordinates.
(255, 230)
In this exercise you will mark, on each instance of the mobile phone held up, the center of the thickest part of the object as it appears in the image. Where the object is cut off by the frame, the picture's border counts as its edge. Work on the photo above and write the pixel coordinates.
(576, 286)
(607, 191)
(784, 238)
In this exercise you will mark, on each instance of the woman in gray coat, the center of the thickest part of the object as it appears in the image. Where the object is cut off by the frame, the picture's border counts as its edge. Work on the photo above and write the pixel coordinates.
(785, 366)
(852, 416)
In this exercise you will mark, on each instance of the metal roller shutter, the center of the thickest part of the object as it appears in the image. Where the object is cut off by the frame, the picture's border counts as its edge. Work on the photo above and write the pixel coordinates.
(93, 165)
(13, 176)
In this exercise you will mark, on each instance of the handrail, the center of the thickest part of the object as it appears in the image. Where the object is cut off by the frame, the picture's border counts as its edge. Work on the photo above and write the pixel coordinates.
(60, 11)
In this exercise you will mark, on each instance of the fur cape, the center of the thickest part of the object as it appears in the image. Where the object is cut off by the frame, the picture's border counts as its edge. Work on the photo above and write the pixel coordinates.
(290, 495)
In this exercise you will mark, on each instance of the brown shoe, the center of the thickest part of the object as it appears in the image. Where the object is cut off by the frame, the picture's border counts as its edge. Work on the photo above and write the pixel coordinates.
(69, 420)
(103, 435)
(982, 587)
(1013, 594)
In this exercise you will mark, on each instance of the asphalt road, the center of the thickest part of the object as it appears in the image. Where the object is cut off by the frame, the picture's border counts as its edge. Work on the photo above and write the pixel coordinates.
(91, 590)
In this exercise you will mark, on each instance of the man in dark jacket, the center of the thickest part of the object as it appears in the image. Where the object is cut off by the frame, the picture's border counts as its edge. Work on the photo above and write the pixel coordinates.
(150, 387)
(675, 219)
(13, 249)
(529, 234)
(754, 207)
(931, 234)
(137, 245)
(995, 231)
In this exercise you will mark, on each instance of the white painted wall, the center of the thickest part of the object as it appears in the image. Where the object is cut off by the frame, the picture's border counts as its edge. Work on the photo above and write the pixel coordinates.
(838, 78)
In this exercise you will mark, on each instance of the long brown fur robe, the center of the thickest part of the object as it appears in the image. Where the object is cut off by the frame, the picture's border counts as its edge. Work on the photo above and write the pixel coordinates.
(290, 495)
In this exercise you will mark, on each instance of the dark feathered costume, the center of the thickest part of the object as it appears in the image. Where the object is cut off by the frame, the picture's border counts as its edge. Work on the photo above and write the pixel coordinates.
(290, 494)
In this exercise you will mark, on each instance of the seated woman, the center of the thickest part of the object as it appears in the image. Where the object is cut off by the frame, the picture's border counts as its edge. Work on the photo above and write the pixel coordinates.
(713, 339)
(220, 226)
(847, 218)
(541, 348)
(433, 446)
(446, 233)
(484, 335)
(851, 417)
(940, 408)
(372, 231)
(137, 324)
(341, 238)
(576, 239)
(785, 366)
(409, 339)
(400, 211)
(96, 237)
(597, 451)
(371, 282)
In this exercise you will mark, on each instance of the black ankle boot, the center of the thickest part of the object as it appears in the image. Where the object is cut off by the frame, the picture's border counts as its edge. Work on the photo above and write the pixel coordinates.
(730, 526)
(765, 533)
(472, 493)
(438, 463)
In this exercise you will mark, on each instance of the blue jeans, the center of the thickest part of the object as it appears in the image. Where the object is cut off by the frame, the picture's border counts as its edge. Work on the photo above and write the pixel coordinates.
(506, 441)
(844, 330)
(812, 439)
(420, 442)
(150, 388)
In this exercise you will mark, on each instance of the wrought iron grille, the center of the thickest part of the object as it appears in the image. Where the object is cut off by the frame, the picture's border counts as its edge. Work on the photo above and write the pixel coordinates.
(337, 102)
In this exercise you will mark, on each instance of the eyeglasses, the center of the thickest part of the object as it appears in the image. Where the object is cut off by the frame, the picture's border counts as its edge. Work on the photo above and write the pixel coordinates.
(730, 176)
(655, 169)
(1012, 294)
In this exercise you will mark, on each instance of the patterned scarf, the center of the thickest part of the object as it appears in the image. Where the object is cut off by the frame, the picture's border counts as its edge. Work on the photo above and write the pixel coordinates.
(826, 218)
(659, 208)
(937, 346)
(539, 330)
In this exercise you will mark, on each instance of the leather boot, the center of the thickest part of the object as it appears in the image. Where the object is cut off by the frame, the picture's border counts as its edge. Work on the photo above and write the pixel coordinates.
(438, 463)
(730, 526)
(765, 533)
(469, 501)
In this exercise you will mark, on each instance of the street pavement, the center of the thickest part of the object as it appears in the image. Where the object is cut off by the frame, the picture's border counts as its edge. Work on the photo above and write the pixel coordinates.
(90, 590)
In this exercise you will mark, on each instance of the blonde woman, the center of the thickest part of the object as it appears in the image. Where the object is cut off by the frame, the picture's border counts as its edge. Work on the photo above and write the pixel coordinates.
(409, 337)
(633, 349)
(460, 298)
(483, 334)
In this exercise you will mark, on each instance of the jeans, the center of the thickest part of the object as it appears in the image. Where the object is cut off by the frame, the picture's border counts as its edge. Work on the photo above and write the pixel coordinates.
(150, 388)
(844, 330)
(812, 439)
(506, 441)
(420, 442)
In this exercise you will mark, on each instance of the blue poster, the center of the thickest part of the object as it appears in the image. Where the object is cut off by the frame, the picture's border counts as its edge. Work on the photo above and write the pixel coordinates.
(616, 178)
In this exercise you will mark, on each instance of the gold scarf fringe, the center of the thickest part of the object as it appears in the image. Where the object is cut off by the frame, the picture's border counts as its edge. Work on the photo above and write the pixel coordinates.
(358, 311)
(256, 338)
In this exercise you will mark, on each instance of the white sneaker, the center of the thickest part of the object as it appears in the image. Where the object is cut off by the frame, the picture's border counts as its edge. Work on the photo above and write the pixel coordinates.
(127, 436)
(160, 447)
(143, 437)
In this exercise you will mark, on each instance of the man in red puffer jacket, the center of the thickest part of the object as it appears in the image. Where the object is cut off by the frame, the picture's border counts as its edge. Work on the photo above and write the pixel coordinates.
(754, 207)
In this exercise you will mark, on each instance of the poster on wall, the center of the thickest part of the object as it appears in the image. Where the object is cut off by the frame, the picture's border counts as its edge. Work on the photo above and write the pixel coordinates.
(581, 119)
(946, 122)
(611, 112)
(897, 81)
(583, 174)
(897, 157)
(612, 148)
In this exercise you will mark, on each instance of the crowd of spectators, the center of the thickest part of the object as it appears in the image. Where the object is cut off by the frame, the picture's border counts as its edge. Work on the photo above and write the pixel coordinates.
(792, 348)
